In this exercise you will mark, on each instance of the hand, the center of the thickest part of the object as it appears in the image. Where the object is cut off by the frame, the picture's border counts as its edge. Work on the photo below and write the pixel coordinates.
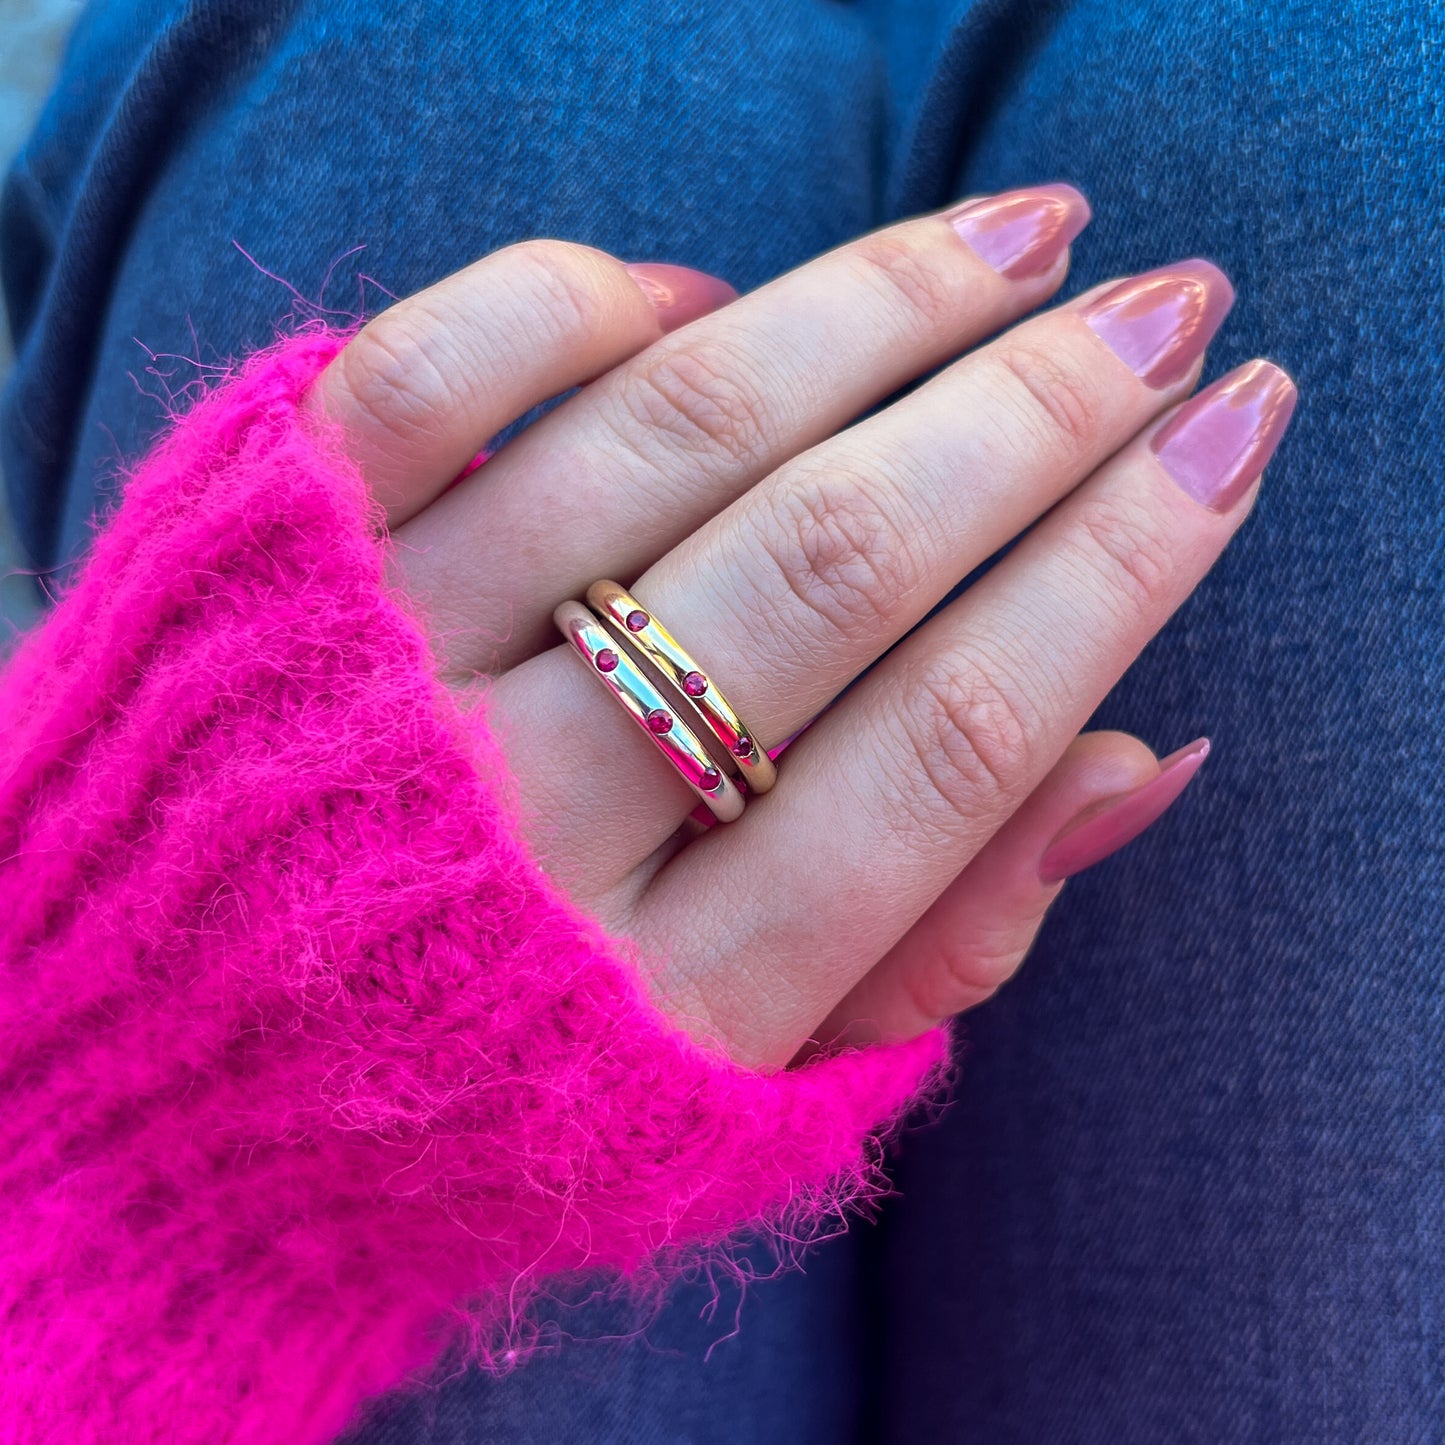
(893, 877)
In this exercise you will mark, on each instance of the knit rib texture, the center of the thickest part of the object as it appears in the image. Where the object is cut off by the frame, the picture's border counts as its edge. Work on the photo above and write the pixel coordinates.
(311, 1077)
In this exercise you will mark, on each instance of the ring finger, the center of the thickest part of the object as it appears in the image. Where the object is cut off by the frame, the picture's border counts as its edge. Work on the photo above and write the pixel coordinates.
(903, 782)
(801, 584)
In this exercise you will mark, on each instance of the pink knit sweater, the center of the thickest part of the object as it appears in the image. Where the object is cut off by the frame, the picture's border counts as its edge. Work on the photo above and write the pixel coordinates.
(309, 1074)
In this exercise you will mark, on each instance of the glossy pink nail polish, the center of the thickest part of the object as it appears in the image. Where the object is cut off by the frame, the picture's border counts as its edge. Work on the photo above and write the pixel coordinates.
(1217, 443)
(1159, 323)
(1105, 827)
(679, 293)
(1022, 233)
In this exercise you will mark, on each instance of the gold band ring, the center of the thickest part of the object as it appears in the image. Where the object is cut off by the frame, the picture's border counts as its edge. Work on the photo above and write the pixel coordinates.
(608, 661)
(661, 649)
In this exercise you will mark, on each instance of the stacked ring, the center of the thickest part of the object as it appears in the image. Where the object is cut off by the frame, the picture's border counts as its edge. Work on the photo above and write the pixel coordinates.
(682, 747)
(618, 606)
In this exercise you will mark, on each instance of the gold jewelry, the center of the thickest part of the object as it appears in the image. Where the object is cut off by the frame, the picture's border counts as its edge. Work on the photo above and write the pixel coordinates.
(619, 607)
(608, 661)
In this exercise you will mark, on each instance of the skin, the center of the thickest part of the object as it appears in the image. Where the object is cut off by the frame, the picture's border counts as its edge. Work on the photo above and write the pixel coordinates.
(891, 878)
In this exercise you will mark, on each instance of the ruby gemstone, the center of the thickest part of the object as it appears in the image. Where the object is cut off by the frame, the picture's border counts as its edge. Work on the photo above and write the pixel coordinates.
(605, 660)
(743, 746)
(637, 620)
(659, 720)
(694, 684)
(710, 781)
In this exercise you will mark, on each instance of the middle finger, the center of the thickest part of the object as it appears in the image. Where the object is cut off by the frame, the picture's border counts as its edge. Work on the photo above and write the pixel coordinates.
(640, 458)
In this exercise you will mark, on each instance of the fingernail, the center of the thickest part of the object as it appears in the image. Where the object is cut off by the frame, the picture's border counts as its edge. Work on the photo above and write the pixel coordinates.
(1159, 323)
(1022, 233)
(679, 293)
(1217, 443)
(1103, 828)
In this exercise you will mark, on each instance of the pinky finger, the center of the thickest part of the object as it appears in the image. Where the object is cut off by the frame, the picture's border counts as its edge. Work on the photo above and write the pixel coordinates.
(1105, 790)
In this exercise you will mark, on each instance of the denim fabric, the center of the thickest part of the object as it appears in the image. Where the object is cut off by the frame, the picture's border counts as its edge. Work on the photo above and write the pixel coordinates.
(1194, 1189)
(1192, 1186)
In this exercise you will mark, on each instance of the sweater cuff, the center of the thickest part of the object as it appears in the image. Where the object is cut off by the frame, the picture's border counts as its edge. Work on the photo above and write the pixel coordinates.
(313, 1075)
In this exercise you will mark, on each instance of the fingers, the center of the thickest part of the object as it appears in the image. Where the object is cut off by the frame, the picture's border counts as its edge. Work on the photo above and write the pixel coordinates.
(1105, 791)
(797, 588)
(430, 380)
(640, 459)
(826, 564)
(898, 786)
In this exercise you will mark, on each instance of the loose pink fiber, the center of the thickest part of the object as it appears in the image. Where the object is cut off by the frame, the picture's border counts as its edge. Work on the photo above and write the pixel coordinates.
(310, 1074)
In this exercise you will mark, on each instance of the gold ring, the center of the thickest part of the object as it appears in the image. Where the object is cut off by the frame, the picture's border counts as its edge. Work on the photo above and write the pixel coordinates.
(618, 606)
(655, 715)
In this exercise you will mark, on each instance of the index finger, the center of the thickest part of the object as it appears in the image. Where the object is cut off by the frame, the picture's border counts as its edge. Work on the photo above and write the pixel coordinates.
(421, 387)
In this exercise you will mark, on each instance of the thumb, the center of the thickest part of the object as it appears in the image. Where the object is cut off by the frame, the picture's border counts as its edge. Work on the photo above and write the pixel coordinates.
(1106, 789)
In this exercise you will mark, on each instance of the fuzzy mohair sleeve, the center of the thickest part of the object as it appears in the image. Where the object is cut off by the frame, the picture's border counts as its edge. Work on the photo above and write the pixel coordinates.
(310, 1076)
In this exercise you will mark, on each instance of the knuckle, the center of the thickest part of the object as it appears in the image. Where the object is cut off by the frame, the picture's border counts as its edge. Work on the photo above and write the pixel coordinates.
(560, 281)
(391, 373)
(1131, 548)
(964, 974)
(1050, 399)
(840, 552)
(702, 403)
(909, 275)
(972, 735)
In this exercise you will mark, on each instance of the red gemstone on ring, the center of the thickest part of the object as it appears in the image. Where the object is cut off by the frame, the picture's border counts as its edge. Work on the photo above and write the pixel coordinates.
(694, 684)
(743, 746)
(710, 781)
(659, 720)
(637, 620)
(605, 660)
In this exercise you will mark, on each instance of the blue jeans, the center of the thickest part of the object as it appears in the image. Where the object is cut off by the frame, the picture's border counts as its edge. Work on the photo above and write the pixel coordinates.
(1192, 1186)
